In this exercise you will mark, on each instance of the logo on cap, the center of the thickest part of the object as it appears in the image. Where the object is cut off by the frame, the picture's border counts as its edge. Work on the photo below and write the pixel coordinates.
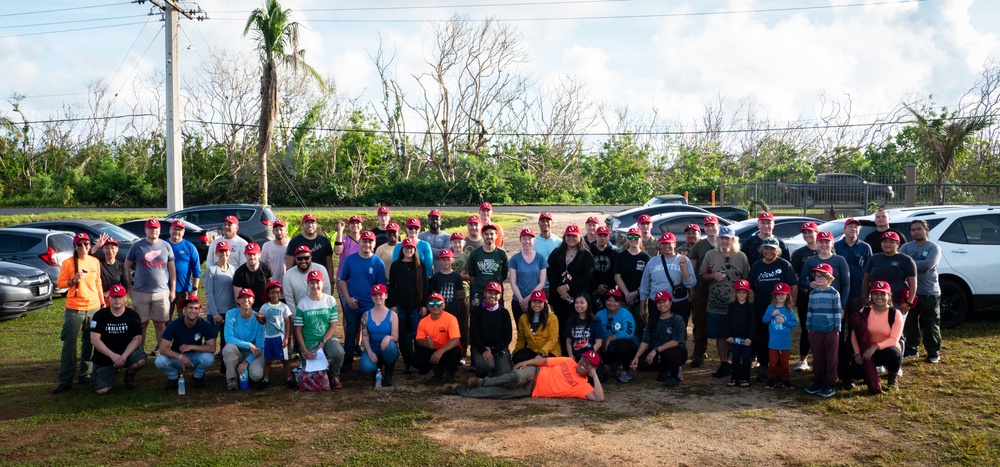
(409, 242)
(231, 220)
(645, 219)
(379, 288)
(602, 230)
(592, 357)
(435, 297)
(178, 224)
(367, 235)
(881, 286)
(537, 296)
(279, 223)
(446, 253)
(851, 220)
(780, 288)
(667, 237)
(314, 275)
(493, 287)
(245, 292)
(251, 248)
(413, 222)
(710, 220)
(890, 235)
(765, 216)
(302, 249)
(117, 291)
(572, 230)
(473, 219)
(692, 227)
(457, 236)
(824, 235)
(824, 268)
(152, 223)
(392, 227)
(809, 226)
(222, 246)
(633, 231)
(592, 220)
(545, 215)
(614, 293)
(742, 284)
(434, 213)
(485, 206)
(383, 209)
(662, 295)
(527, 233)
(309, 218)
(354, 219)
(81, 237)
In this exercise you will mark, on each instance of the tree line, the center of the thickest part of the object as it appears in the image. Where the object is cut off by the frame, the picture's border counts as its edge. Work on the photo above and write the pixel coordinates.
(469, 126)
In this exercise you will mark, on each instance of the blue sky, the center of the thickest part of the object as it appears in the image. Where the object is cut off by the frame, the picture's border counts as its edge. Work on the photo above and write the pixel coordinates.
(664, 56)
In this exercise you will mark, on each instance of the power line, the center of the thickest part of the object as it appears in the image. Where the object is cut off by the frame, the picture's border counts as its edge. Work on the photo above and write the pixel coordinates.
(70, 22)
(137, 63)
(88, 119)
(62, 9)
(129, 52)
(69, 30)
(434, 7)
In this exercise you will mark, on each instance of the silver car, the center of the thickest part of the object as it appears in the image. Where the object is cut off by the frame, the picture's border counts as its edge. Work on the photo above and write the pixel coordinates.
(42, 248)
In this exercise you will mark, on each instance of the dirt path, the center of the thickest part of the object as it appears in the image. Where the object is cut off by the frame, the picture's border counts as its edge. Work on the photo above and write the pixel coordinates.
(642, 423)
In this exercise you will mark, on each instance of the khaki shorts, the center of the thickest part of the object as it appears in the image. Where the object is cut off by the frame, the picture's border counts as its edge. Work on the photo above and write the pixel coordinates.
(151, 306)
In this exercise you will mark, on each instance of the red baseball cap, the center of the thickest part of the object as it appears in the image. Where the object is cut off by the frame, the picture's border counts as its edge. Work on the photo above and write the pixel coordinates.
(572, 230)
(446, 253)
(354, 219)
(645, 219)
(823, 267)
(633, 231)
(781, 287)
(412, 222)
(190, 298)
(314, 275)
(537, 296)
(367, 235)
(271, 285)
(231, 220)
(809, 226)
(489, 227)
(152, 223)
(527, 233)
(409, 242)
(302, 249)
(80, 237)
(245, 292)
(592, 220)
(224, 245)
(309, 218)
(890, 235)
(457, 236)
(111, 241)
(117, 291)
(710, 220)
(765, 216)
(493, 287)
(851, 220)
(615, 293)
(485, 206)
(383, 210)
(603, 230)
(592, 357)
(545, 215)
(881, 286)
(251, 248)
(279, 223)
(694, 227)
(392, 227)
(824, 235)
(434, 213)
(473, 219)
(662, 295)
(668, 237)
(435, 297)
(742, 284)
(379, 288)
(179, 224)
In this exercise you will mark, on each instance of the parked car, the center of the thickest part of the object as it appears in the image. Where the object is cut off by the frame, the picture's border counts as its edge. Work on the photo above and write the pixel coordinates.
(784, 227)
(732, 213)
(969, 242)
(93, 228)
(23, 289)
(628, 218)
(666, 199)
(255, 219)
(670, 222)
(192, 233)
(40, 248)
(836, 188)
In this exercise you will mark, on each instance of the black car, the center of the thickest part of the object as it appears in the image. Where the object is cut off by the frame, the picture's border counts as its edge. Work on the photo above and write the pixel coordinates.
(785, 227)
(93, 228)
(630, 217)
(192, 233)
(674, 222)
(255, 219)
(23, 288)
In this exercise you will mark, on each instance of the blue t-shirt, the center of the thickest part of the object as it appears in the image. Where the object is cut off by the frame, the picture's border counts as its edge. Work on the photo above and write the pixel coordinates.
(361, 274)
(583, 335)
(178, 334)
(527, 273)
(780, 334)
(187, 263)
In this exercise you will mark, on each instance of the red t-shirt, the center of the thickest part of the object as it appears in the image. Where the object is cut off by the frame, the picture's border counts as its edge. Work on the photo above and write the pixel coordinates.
(559, 379)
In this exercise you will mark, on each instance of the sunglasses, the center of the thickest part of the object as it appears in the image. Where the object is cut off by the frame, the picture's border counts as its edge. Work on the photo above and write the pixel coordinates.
(632, 237)
(303, 258)
(435, 303)
(83, 244)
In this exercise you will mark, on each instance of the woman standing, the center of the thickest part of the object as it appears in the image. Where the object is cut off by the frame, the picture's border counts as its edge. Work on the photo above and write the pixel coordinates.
(407, 284)
(81, 274)
(722, 267)
(527, 274)
(570, 268)
(379, 337)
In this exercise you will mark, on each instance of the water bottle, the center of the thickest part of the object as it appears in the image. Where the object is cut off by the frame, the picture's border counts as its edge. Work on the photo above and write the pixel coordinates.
(180, 385)
(245, 380)
(378, 379)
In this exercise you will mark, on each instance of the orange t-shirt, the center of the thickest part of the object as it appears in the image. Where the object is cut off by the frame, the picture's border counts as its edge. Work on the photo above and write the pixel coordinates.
(558, 378)
(441, 330)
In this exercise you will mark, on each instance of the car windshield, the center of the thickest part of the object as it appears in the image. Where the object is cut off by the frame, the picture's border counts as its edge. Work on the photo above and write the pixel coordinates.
(658, 200)
(116, 232)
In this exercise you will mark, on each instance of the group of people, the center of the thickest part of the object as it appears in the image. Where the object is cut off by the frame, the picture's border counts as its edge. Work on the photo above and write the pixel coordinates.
(578, 312)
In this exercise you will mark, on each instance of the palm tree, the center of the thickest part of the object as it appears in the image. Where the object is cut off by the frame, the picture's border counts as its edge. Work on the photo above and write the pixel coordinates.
(278, 44)
(944, 137)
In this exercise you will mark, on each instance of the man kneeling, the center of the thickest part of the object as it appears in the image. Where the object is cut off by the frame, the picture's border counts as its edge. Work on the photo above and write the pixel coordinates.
(551, 377)
(117, 338)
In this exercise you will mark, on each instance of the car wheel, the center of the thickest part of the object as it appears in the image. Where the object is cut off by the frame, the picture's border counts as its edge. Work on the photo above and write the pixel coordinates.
(808, 200)
(955, 303)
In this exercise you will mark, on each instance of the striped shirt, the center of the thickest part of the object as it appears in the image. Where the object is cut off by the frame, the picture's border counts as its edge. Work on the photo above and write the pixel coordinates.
(824, 313)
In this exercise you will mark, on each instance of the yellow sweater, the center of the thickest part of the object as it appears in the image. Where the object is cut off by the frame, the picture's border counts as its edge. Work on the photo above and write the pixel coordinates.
(545, 341)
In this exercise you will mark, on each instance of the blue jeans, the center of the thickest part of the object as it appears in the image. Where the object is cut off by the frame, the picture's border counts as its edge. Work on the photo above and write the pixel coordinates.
(202, 361)
(385, 357)
(352, 326)
(409, 318)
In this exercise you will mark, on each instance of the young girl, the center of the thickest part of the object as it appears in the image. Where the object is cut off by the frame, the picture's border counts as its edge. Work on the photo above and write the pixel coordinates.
(537, 331)
(277, 320)
(663, 347)
(583, 330)
(741, 326)
(407, 279)
(780, 318)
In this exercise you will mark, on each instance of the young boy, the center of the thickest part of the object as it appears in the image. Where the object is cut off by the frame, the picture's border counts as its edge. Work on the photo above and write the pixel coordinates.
(447, 282)
(823, 324)
(277, 320)
(461, 258)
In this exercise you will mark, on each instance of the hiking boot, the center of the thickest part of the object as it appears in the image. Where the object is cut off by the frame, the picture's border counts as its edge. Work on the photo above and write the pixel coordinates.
(933, 358)
(198, 383)
(387, 376)
(826, 392)
(672, 383)
(813, 388)
(62, 387)
(171, 384)
(724, 370)
(473, 382)
(449, 389)
(770, 384)
(130, 380)
(802, 366)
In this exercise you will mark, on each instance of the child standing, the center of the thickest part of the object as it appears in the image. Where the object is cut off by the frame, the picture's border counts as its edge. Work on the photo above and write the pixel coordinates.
(823, 324)
(740, 327)
(277, 320)
(780, 318)
(447, 282)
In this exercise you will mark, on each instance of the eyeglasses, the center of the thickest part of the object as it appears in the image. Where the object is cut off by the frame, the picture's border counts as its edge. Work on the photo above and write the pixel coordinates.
(83, 244)
(303, 258)
(632, 237)
(435, 303)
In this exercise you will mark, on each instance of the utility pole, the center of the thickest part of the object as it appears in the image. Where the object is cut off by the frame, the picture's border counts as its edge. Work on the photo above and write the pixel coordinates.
(175, 185)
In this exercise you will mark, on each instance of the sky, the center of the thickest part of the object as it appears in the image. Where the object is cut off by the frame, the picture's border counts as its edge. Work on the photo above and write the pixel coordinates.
(670, 57)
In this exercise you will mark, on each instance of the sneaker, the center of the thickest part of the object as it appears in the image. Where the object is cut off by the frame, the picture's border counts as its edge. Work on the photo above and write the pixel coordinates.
(933, 358)
(662, 377)
(474, 382)
(449, 389)
(680, 373)
(130, 380)
(336, 384)
(732, 383)
(847, 385)
(744, 384)
(900, 372)
(697, 362)
(826, 392)
(724, 370)
(462, 362)
(754, 363)
(787, 385)
(62, 387)
(910, 353)
(625, 377)
(814, 388)
(262, 384)
(171, 384)
(880, 369)
(290, 382)
(770, 384)
(198, 383)
(672, 383)
(893, 384)
(232, 384)
(802, 366)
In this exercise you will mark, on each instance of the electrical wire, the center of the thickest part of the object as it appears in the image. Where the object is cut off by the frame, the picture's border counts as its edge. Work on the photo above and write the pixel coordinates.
(129, 52)
(90, 20)
(137, 63)
(69, 30)
(62, 9)
(434, 7)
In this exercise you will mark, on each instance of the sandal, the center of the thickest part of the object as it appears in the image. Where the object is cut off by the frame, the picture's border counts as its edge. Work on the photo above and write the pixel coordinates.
(744, 384)
(731, 383)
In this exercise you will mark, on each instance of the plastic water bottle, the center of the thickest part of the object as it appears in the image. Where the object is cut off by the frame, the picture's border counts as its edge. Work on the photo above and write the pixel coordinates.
(245, 380)
(378, 379)
(180, 385)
